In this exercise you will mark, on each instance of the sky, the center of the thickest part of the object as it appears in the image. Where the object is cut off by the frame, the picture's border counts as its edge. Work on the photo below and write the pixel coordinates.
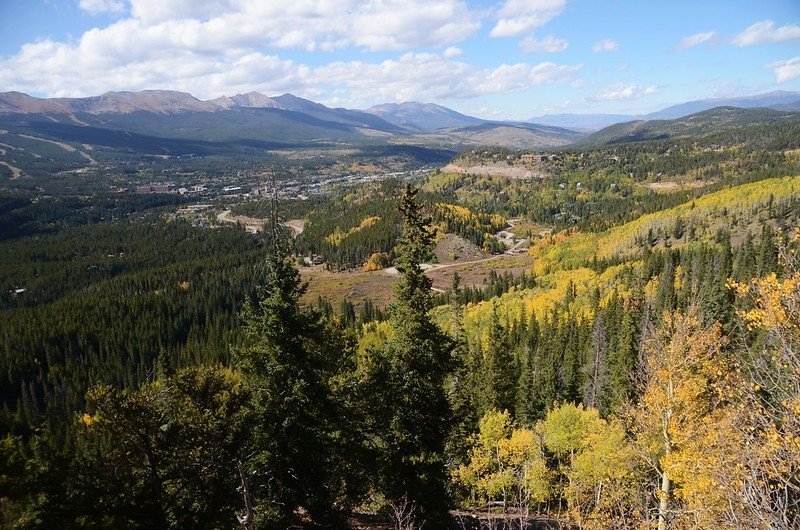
(506, 59)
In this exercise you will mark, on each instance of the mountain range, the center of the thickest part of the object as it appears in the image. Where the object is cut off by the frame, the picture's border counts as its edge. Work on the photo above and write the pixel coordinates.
(777, 100)
(165, 122)
(256, 121)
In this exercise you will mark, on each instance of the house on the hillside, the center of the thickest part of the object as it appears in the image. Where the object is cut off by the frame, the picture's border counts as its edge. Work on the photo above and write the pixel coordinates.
(532, 158)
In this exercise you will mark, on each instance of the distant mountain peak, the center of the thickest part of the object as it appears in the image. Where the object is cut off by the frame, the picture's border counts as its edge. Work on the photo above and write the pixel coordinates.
(291, 102)
(423, 117)
(250, 100)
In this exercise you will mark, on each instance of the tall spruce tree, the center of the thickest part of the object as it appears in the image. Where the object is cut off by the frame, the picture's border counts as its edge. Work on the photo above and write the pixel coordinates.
(498, 370)
(406, 384)
(595, 386)
(288, 356)
(528, 408)
(461, 384)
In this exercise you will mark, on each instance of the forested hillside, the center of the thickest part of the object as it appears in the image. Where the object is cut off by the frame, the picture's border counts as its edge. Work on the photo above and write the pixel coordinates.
(165, 371)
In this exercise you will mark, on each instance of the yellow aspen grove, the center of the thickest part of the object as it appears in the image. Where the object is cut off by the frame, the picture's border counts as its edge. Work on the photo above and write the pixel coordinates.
(677, 423)
(597, 464)
(506, 467)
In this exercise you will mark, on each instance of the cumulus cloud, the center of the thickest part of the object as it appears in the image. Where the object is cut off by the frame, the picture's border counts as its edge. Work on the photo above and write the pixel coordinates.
(96, 7)
(605, 45)
(198, 45)
(622, 92)
(155, 11)
(785, 70)
(59, 69)
(765, 32)
(226, 47)
(695, 40)
(376, 25)
(549, 44)
(405, 24)
(426, 76)
(517, 17)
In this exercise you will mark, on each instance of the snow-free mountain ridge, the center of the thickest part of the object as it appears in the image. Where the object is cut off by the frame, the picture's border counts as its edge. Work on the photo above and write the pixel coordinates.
(777, 100)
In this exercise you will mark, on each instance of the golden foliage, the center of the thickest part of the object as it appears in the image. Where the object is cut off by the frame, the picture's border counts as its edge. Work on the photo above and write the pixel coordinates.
(769, 418)
(339, 235)
(687, 422)
(567, 250)
(465, 216)
(505, 464)
(377, 261)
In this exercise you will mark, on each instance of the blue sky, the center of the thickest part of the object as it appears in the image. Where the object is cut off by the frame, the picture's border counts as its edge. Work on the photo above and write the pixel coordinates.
(509, 59)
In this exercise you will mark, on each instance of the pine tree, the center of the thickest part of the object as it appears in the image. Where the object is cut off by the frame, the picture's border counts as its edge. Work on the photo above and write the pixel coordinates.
(546, 368)
(665, 296)
(405, 384)
(287, 357)
(745, 262)
(498, 370)
(622, 359)
(528, 410)
(767, 259)
(573, 360)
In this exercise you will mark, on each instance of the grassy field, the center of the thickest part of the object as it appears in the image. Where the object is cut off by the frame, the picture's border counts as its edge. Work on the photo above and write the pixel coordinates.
(358, 286)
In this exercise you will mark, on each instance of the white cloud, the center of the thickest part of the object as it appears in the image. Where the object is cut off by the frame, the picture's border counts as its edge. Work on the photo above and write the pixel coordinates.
(516, 17)
(427, 77)
(376, 25)
(406, 24)
(96, 7)
(227, 47)
(785, 70)
(695, 40)
(549, 44)
(605, 45)
(194, 45)
(622, 92)
(59, 69)
(155, 11)
(765, 32)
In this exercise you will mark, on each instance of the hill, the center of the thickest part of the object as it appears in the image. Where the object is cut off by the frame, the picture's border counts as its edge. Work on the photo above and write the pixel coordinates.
(777, 100)
(519, 136)
(724, 209)
(770, 100)
(714, 121)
